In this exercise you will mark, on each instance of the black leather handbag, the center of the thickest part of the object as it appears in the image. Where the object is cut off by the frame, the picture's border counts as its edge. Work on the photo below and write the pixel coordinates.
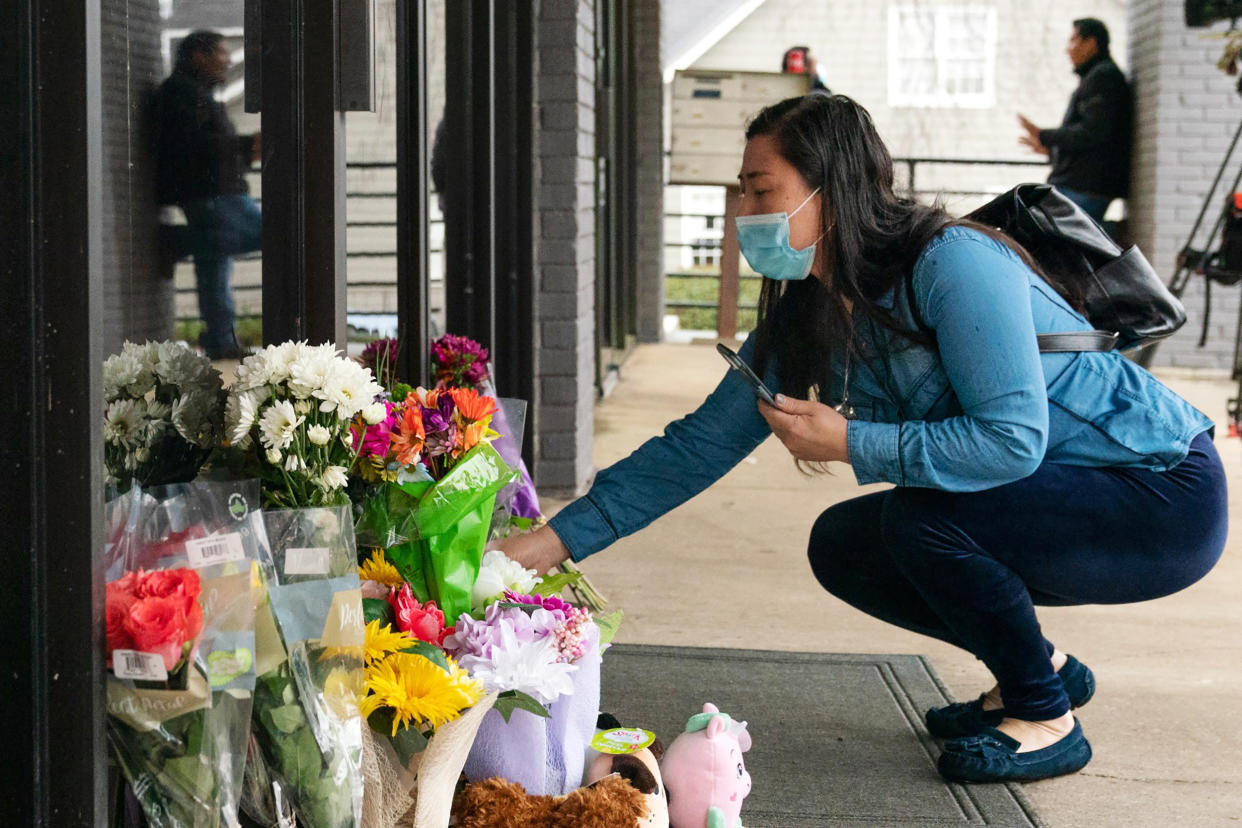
(1123, 296)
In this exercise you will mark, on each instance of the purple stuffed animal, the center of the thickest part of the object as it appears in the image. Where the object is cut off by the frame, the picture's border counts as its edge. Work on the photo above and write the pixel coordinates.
(704, 774)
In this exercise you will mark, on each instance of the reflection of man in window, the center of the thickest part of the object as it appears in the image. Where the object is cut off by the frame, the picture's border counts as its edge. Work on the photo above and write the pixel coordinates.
(1091, 149)
(201, 167)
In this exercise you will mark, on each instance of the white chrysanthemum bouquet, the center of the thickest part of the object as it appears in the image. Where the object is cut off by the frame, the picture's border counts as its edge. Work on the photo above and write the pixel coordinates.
(297, 413)
(163, 414)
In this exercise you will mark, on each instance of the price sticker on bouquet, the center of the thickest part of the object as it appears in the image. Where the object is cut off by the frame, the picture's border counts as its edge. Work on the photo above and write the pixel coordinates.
(622, 740)
(215, 549)
(131, 664)
(311, 560)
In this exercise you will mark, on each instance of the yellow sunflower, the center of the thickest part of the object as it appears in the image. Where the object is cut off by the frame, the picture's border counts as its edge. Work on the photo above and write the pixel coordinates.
(380, 641)
(377, 568)
(471, 687)
(416, 691)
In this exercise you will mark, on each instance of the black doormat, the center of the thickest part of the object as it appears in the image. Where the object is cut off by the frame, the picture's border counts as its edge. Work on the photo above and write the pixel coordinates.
(838, 740)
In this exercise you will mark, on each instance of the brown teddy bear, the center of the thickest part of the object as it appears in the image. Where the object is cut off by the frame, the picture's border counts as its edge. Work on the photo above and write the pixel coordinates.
(612, 802)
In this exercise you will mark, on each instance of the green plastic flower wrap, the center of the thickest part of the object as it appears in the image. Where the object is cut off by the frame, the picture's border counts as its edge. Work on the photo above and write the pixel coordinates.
(434, 532)
(309, 636)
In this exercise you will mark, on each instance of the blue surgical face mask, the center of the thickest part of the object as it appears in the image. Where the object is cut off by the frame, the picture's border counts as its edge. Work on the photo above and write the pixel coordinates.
(764, 240)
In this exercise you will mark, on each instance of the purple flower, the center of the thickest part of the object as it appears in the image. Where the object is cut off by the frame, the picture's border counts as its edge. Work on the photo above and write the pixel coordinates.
(553, 603)
(440, 427)
(459, 360)
(571, 626)
(479, 638)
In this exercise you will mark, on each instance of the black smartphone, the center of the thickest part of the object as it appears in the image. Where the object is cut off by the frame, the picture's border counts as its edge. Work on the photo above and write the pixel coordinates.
(761, 390)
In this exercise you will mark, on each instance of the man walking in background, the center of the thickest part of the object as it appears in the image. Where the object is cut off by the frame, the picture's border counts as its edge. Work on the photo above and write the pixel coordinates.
(1090, 151)
(200, 166)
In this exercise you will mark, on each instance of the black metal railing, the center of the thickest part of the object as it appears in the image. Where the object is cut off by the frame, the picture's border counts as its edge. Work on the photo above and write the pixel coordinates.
(354, 194)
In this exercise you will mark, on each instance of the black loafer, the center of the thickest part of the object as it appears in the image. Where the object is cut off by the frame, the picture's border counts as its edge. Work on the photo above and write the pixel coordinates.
(992, 756)
(969, 718)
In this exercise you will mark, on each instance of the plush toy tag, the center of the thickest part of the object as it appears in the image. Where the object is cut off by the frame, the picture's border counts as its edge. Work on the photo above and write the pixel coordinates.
(622, 740)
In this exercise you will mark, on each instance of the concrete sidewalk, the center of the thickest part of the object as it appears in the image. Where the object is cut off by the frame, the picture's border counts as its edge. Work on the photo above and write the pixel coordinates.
(729, 569)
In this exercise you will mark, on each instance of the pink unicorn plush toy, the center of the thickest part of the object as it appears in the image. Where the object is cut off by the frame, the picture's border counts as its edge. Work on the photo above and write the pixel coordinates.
(704, 774)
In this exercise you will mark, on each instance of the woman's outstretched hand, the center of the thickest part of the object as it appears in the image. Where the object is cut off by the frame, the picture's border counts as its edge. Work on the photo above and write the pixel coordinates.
(539, 550)
(811, 431)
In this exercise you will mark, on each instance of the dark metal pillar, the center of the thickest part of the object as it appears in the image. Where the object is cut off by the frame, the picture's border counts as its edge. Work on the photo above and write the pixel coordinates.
(413, 298)
(514, 349)
(51, 500)
(303, 173)
(469, 220)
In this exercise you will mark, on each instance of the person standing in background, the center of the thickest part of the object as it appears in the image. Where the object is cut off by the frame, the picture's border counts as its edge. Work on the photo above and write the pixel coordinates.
(201, 163)
(798, 60)
(1090, 151)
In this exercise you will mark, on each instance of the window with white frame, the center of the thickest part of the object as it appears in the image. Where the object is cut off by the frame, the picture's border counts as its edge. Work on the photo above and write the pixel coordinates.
(942, 56)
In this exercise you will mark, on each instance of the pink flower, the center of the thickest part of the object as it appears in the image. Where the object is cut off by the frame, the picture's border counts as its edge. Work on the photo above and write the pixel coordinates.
(375, 438)
(570, 627)
(423, 621)
(553, 603)
(374, 589)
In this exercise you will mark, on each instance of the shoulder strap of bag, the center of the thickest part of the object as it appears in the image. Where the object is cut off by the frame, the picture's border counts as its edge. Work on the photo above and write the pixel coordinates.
(1049, 343)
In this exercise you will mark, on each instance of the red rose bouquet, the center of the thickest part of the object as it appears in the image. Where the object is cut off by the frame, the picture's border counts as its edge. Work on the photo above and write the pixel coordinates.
(153, 614)
(179, 615)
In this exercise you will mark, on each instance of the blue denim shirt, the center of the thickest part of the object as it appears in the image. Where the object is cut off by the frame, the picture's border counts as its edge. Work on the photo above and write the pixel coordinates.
(981, 408)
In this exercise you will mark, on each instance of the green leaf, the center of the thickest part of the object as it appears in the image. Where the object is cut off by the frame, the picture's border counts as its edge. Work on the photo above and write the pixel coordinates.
(192, 774)
(381, 720)
(376, 609)
(287, 718)
(430, 652)
(304, 762)
(511, 700)
(522, 524)
(553, 584)
(608, 626)
(194, 736)
(408, 742)
(275, 683)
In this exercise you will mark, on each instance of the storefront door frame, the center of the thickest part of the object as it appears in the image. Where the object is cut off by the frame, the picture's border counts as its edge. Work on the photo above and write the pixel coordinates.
(51, 495)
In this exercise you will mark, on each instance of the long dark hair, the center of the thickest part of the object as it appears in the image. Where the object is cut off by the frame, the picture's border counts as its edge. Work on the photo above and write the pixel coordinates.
(873, 237)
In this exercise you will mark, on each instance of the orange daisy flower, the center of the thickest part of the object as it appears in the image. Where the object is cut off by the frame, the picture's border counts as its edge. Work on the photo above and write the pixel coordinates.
(407, 443)
(471, 406)
(468, 436)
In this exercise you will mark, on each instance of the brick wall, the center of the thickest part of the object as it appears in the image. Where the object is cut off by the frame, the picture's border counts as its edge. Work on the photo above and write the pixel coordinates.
(650, 140)
(138, 303)
(565, 248)
(1186, 113)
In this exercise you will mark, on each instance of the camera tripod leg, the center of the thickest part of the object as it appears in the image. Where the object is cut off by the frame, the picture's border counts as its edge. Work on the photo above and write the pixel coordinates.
(1181, 276)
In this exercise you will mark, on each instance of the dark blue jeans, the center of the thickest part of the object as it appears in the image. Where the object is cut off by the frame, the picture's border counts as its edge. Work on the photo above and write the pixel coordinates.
(969, 567)
(219, 229)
